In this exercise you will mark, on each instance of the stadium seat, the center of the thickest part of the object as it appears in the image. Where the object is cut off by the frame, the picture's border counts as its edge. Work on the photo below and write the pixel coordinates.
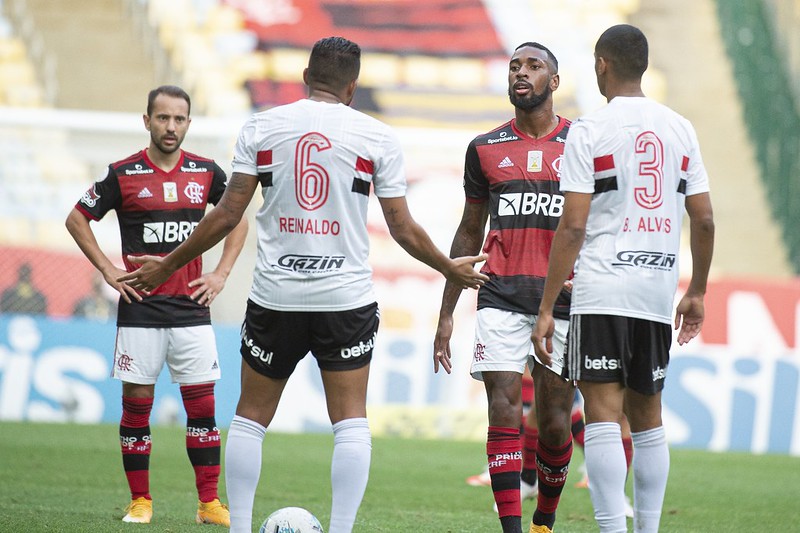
(288, 64)
(381, 69)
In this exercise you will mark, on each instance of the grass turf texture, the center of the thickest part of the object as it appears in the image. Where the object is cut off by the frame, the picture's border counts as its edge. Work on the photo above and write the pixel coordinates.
(69, 478)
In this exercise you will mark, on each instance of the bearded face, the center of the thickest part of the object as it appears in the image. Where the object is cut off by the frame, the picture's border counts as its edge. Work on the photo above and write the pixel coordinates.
(523, 96)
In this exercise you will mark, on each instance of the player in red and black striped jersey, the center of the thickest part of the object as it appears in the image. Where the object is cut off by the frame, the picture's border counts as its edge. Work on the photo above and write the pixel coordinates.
(511, 179)
(159, 195)
(157, 210)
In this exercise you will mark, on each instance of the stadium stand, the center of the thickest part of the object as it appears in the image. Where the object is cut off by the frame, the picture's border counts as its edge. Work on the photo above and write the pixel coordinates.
(19, 81)
(765, 62)
(727, 135)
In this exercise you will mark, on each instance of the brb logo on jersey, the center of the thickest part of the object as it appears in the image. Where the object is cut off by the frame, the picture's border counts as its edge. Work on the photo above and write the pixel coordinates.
(529, 203)
(158, 232)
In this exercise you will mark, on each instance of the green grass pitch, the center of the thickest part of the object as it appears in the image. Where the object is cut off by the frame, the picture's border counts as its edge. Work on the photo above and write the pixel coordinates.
(69, 478)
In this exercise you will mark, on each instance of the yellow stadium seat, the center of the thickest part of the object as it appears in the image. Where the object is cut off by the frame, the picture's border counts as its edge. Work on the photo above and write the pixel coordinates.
(423, 71)
(380, 70)
(464, 74)
(288, 64)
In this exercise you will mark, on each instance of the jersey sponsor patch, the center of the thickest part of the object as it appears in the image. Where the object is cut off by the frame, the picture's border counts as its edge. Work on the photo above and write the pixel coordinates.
(158, 232)
(138, 169)
(193, 168)
(311, 263)
(528, 203)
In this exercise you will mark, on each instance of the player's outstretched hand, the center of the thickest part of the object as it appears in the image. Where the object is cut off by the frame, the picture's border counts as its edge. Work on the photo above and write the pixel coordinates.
(689, 316)
(463, 274)
(147, 277)
(441, 344)
(542, 337)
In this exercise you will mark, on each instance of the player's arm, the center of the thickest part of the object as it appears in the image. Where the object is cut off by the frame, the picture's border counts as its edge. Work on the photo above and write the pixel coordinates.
(466, 242)
(564, 250)
(78, 226)
(416, 241)
(218, 223)
(690, 313)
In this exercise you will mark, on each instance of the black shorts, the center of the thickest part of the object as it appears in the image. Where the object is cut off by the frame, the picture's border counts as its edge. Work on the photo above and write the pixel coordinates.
(609, 348)
(273, 342)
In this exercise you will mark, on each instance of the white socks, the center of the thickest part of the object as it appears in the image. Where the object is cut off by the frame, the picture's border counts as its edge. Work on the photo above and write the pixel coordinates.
(650, 472)
(242, 470)
(605, 464)
(607, 469)
(352, 451)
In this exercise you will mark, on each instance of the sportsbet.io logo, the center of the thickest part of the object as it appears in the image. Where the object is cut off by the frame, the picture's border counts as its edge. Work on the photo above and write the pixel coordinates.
(530, 203)
(159, 232)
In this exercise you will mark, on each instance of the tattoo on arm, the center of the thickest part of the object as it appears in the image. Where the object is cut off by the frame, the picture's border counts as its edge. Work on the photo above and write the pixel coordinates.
(391, 214)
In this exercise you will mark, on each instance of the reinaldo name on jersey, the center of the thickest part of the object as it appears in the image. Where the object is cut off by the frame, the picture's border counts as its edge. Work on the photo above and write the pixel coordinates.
(308, 225)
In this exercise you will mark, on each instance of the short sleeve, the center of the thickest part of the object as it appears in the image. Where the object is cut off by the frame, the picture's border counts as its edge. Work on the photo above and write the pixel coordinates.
(218, 182)
(577, 170)
(476, 186)
(245, 151)
(103, 196)
(390, 175)
(696, 175)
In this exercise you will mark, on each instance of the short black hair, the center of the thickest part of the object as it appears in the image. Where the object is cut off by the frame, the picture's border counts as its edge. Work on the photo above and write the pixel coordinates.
(334, 62)
(626, 47)
(550, 55)
(169, 90)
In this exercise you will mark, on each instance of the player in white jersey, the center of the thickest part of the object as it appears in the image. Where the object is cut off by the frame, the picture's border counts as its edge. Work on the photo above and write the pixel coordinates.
(630, 170)
(316, 160)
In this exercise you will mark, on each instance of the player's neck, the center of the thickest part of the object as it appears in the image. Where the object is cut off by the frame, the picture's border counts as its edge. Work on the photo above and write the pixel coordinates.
(623, 88)
(165, 162)
(319, 95)
(537, 123)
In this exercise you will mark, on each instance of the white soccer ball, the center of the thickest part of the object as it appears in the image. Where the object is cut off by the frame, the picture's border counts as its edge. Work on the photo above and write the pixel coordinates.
(291, 520)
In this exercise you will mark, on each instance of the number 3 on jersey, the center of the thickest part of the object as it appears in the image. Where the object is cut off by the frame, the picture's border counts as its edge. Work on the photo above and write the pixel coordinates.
(650, 196)
(311, 180)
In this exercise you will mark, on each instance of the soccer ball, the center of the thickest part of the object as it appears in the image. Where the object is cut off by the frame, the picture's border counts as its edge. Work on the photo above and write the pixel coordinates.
(291, 520)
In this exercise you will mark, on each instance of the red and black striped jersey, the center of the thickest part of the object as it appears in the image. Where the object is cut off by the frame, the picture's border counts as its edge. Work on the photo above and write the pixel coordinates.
(519, 177)
(157, 211)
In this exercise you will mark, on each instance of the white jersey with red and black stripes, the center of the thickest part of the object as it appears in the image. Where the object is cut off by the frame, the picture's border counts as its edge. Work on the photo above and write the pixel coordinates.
(157, 211)
(639, 160)
(518, 176)
(316, 163)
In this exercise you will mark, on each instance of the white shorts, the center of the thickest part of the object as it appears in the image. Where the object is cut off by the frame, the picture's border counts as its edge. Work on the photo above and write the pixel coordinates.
(503, 342)
(190, 354)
